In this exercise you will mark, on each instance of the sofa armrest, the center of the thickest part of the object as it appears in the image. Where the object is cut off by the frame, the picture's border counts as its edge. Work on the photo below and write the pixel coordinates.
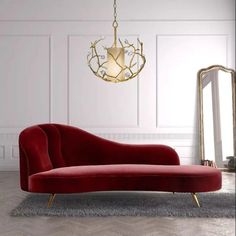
(34, 157)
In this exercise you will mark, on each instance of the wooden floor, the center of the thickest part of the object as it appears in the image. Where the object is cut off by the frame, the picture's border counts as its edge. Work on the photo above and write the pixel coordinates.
(11, 195)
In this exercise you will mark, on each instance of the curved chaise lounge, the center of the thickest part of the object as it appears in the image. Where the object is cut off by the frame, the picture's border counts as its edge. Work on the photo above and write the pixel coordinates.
(58, 158)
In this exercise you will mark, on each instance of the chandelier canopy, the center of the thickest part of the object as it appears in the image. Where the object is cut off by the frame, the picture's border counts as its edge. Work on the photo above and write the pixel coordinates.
(120, 62)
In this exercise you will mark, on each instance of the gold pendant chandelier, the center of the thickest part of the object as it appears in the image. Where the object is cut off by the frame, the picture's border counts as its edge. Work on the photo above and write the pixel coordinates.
(121, 63)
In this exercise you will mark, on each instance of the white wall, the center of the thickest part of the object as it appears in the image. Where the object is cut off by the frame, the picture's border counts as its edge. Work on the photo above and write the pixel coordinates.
(44, 76)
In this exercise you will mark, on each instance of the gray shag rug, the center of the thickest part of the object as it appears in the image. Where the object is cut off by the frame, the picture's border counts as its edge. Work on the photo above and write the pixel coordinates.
(214, 205)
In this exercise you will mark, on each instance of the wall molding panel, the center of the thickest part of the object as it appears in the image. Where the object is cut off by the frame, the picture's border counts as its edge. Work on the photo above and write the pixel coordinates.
(15, 152)
(2, 152)
(23, 90)
(167, 52)
(45, 78)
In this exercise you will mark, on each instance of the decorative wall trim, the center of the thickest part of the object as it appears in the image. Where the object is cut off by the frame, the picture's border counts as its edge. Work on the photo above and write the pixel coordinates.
(68, 79)
(15, 152)
(14, 137)
(50, 79)
(156, 71)
(2, 152)
(180, 35)
(50, 71)
(146, 136)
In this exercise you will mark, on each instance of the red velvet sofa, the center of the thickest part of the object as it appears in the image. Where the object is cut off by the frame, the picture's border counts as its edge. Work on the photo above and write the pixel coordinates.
(63, 159)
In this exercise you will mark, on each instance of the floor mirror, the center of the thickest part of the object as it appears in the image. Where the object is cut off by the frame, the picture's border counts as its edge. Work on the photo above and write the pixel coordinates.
(217, 88)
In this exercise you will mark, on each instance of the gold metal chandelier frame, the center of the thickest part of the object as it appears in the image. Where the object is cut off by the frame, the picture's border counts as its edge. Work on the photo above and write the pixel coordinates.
(99, 65)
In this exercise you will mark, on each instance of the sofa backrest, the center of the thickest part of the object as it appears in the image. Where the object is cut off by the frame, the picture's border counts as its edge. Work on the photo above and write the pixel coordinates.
(47, 146)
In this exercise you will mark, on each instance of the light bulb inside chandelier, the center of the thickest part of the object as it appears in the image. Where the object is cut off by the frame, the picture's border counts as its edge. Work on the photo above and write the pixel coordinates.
(118, 63)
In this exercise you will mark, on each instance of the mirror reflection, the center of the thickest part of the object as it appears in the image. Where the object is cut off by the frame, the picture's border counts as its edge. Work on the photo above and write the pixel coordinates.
(217, 115)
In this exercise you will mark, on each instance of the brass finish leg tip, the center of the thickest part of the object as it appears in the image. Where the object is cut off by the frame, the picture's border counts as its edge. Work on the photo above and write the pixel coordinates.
(50, 200)
(195, 199)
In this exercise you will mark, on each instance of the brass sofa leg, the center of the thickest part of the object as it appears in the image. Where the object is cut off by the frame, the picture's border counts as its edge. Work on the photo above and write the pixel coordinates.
(195, 199)
(50, 200)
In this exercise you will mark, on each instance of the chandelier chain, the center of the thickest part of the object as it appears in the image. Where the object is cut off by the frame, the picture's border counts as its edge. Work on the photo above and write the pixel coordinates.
(115, 23)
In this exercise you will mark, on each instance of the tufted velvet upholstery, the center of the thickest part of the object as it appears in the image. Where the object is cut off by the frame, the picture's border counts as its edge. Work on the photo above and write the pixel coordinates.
(63, 159)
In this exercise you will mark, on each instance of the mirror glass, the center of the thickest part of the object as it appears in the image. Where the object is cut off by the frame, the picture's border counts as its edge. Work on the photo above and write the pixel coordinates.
(217, 115)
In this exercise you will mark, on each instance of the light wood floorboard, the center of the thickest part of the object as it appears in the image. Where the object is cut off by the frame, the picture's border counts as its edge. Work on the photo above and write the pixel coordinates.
(11, 195)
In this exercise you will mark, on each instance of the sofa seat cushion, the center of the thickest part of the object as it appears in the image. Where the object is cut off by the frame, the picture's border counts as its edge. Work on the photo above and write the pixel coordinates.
(174, 178)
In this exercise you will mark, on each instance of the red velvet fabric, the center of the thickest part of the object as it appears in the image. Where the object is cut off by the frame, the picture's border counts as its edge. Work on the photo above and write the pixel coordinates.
(34, 145)
(54, 145)
(63, 159)
(24, 170)
(126, 177)
(82, 148)
(47, 146)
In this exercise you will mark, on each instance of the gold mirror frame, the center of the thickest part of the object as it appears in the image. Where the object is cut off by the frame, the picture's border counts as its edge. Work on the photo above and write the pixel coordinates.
(200, 75)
